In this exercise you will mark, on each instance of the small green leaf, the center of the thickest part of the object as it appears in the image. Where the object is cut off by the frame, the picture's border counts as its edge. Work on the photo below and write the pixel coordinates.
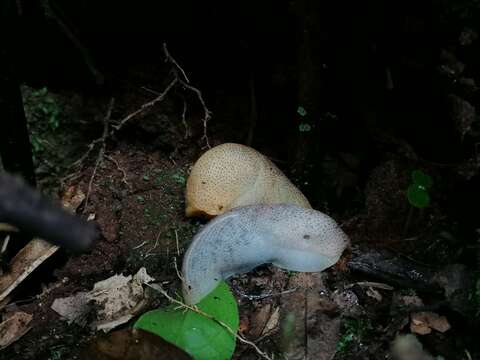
(301, 111)
(179, 179)
(304, 127)
(201, 337)
(146, 178)
(420, 178)
(418, 196)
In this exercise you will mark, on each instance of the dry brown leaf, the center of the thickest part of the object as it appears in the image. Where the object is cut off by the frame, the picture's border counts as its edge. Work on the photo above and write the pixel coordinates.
(411, 300)
(310, 330)
(423, 322)
(258, 320)
(24, 263)
(419, 326)
(118, 299)
(72, 198)
(272, 323)
(14, 328)
(244, 324)
(35, 252)
(132, 344)
(73, 308)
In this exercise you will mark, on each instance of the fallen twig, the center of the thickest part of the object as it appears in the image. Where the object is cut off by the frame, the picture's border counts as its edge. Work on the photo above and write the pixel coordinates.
(184, 121)
(176, 242)
(179, 273)
(207, 114)
(185, 82)
(180, 78)
(146, 106)
(140, 245)
(371, 284)
(101, 152)
(265, 296)
(90, 146)
(149, 251)
(169, 58)
(124, 173)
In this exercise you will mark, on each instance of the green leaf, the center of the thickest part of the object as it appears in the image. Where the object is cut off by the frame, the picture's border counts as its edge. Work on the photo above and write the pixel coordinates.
(201, 337)
(179, 179)
(301, 111)
(420, 178)
(418, 196)
(304, 127)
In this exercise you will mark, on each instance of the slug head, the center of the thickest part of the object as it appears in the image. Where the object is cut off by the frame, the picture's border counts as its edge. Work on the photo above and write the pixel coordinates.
(306, 234)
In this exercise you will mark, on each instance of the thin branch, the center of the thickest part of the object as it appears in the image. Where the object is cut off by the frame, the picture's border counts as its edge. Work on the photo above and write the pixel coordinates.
(207, 114)
(140, 245)
(186, 84)
(146, 106)
(90, 146)
(372, 285)
(179, 273)
(171, 60)
(124, 173)
(268, 295)
(150, 90)
(101, 152)
(184, 121)
(176, 242)
(181, 78)
(149, 251)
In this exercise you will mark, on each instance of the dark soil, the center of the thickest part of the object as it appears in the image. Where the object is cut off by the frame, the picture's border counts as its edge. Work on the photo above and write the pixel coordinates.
(387, 92)
(137, 199)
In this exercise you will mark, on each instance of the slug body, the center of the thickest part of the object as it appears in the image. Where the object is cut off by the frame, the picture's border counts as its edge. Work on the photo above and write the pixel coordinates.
(287, 236)
(232, 175)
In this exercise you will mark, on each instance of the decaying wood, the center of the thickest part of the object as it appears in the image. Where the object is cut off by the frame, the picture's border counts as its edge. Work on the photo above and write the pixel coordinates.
(24, 263)
(451, 284)
(393, 269)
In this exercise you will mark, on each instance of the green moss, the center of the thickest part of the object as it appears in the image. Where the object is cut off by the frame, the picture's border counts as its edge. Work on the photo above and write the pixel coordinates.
(170, 177)
(354, 330)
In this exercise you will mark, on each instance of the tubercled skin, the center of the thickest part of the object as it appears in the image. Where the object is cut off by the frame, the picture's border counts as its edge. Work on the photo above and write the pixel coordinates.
(287, 236)
(232, 175)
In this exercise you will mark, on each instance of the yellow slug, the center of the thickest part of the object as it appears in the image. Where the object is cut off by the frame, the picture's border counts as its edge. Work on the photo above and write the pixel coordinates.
(231, 175)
